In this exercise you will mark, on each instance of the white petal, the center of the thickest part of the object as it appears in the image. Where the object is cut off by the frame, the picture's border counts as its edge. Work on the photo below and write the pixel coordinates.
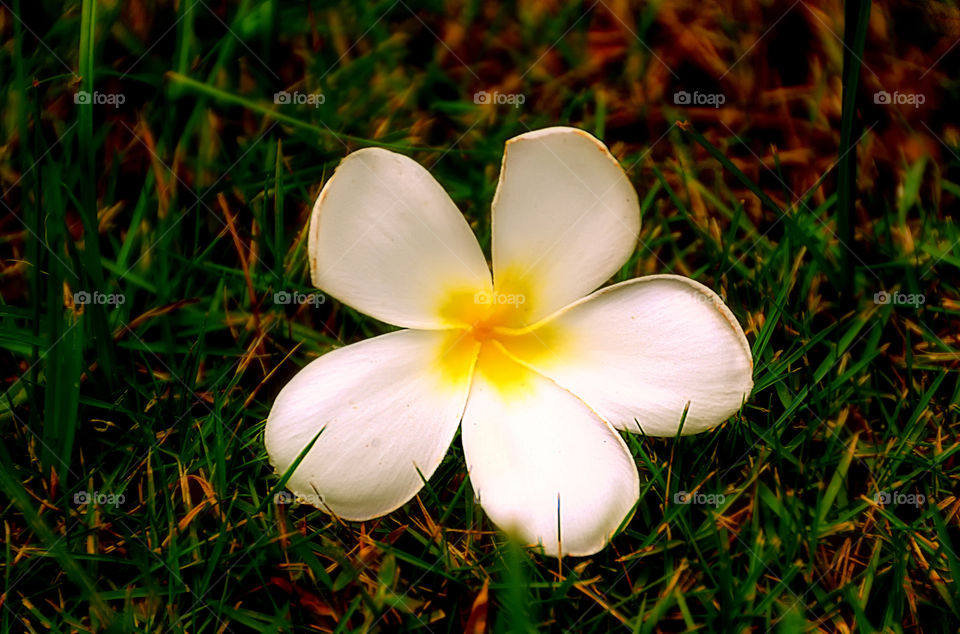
(639, 351)
(386, 239)
(531, 446)
(388, 406)
(565, 218)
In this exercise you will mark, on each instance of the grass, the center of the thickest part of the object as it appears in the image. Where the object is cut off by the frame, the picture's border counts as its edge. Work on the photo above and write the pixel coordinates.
(136, 495)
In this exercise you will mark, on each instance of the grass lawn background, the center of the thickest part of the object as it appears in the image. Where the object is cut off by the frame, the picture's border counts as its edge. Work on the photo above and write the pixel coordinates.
(134, 487)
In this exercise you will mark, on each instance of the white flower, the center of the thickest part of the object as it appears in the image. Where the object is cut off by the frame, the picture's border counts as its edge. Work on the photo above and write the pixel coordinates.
(540, 373)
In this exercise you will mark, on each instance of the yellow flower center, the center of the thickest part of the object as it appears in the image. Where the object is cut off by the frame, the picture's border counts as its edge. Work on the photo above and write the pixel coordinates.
(493, 329)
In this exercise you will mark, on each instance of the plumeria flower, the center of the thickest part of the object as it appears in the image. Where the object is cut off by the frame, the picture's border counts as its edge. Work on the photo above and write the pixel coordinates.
(538, 368)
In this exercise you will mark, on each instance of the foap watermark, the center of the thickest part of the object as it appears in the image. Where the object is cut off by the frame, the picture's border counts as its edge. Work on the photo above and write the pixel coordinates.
(285, 498)
(891, 498)
(700, 499)
(296, 297)
(115, 99)
(698, 298)
(900, 299)
(99, 498)
(484, 98)
(96, 297)
(897, 98)
(297, 98)
(697, 98)
(498, 299)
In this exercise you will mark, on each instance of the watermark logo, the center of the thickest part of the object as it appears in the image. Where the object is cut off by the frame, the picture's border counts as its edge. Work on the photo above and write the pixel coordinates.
(697, 298)
(888, 498)
(498, 299)
(900, 299)
(697, 98)
(285, 498)
(101, 499)
(114, 99)
(484, 98)
(699, 499)
(297, 98)
(285, 298)
(96, 297)
(898, 98)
